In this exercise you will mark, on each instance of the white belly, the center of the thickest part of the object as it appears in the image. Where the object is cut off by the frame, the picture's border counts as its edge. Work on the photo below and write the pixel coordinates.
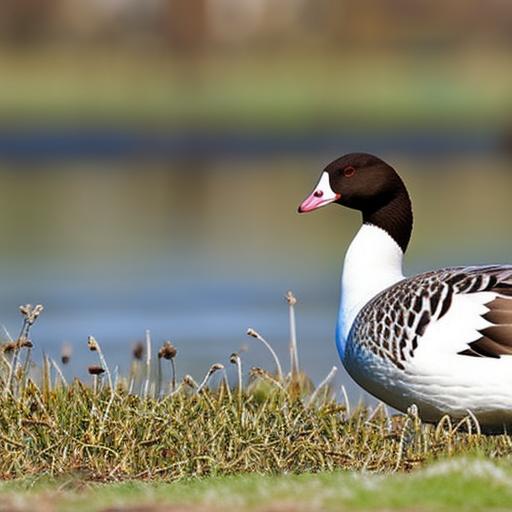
(451, 385)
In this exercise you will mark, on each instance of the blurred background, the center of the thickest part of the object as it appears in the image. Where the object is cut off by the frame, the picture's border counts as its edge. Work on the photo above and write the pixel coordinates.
(153, 154)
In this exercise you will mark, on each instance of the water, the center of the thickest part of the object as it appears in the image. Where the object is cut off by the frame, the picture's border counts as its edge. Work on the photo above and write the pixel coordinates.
(199, 250)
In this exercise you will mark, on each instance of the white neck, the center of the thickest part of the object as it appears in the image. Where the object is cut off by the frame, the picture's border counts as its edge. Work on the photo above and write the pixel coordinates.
(373, 263)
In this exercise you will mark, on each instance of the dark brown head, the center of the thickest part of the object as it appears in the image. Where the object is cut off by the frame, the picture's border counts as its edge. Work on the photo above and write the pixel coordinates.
(366, 183)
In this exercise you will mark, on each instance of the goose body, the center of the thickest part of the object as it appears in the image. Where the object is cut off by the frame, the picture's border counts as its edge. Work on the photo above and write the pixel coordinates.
(441, 340)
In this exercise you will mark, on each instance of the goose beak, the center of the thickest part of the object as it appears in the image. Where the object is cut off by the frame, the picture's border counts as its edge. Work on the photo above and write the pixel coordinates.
(321, 196)
(313, 202)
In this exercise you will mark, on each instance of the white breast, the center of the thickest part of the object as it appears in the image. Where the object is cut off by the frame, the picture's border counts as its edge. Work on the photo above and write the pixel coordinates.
(373, 263)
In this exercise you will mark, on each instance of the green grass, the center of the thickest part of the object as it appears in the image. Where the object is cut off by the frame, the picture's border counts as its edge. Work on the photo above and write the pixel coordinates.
(459, 484)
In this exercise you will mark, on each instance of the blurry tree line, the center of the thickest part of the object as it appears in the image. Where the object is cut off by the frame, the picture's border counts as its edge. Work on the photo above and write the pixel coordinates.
(199, 25)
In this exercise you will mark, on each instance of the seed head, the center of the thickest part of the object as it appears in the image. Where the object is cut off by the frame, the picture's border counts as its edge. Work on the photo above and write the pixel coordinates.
(234, 358)
(253, 333)
(35, 313)
(65, 353)
(168, 351)
(31, 313)
(16, 345)
(25, 309)
(138, 350)
(25, 343)
(9, 347)
(92, 343)
(95, 370)
(189, 381)
(290, 298)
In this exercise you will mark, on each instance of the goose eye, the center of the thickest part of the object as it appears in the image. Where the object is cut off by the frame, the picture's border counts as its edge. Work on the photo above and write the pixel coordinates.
(349, 171)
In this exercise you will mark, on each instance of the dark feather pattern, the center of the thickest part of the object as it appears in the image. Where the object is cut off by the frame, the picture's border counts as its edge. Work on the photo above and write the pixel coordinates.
(418, 301)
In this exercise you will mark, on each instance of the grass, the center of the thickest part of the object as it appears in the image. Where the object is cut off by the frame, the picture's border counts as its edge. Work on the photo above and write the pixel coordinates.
(459, 484)
(273, 441)
(148, 425)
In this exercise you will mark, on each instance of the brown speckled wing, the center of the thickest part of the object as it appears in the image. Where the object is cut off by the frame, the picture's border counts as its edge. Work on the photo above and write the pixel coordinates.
(392, 324)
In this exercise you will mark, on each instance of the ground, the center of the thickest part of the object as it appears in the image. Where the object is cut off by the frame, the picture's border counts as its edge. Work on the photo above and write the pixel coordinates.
(457, 484)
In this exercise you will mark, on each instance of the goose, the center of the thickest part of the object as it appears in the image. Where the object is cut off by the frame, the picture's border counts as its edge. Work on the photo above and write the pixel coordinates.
(440, 340)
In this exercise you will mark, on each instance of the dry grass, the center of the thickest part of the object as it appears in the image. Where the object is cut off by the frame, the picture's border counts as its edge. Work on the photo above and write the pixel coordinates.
(143, 427)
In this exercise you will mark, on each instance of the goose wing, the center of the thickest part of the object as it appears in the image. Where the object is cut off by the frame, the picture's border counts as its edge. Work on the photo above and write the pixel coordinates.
(465, 311)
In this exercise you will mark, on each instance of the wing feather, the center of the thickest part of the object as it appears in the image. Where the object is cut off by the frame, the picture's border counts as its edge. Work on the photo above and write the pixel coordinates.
(490, 347)
(463, 310)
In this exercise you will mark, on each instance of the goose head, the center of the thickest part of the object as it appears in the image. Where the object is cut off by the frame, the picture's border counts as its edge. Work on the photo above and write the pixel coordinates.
(366, 183)
(356, 180)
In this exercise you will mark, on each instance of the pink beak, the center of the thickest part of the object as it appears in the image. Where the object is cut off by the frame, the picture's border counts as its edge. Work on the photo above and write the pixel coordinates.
(316, 200)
